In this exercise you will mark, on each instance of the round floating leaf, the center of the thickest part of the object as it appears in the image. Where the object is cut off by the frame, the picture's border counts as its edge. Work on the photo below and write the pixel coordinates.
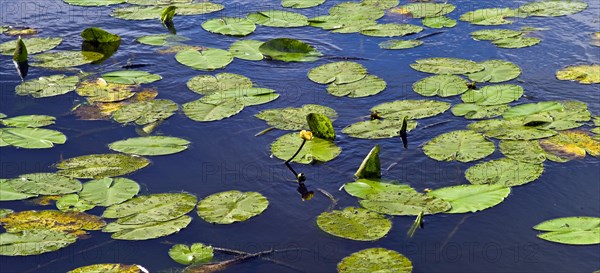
(355, 224)
(390, 30)
(572, 116)
(528, 109)
(363, 187)
(147, 231)
(463, 146)
(145, 112)
(207, 84)
(495, 34)
(400, 44)
(553, 8)
(423, 10)
(157, 2)
(404, 203)
(446, 66)
(34, 45)
(301, 4)
(571, 230)
(150, 145)
(209, 59)
(586, 74)
(528, 151)
(289, 50)
(412, 109)
(516, 42)
(378, 128)
(33, 242)
(109, 191)
(471, 198)
(278, 18)
(31, 121)
(101, 165)
(380, 4)
(154, 12)
(151, 208)
(67, 222)
(46, 184)
(375, 260)
(100, 91)
(59, 59)
(489, 16)
(354, 11)
(294, 118)
(496, 71)
(72, 202)
(338, 73)
(571, 145)
(4, 212)
(510, 129)
(231, 206)
(32, 138)
(441, 85)
(98, 35)
(314, 150)
(493, 94)
(439, 22)
(505, 172)
(197, 253)
(247, 50)
(130, 77)
(201, 111)
(229, 26)
(367, 86)
(47, 86)
(161, 39)
(248, 96)
(107, 268)
(342, 24)
(9, 192)
(96, 3)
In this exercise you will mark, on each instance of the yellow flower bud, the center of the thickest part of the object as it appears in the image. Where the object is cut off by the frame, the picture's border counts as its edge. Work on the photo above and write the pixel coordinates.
(306, 135)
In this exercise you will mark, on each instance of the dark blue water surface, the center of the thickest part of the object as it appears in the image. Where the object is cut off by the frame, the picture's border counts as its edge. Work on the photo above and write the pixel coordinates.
(225, 155)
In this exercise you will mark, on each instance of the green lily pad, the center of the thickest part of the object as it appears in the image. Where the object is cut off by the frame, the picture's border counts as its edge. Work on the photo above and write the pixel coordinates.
(356, 11)
(197, 253)
(367, 86)
(278, 18)
(571, 230)
(585, 74)
(439, 22)
(463, 146)
(404, 203)
(528, 109)
(378, 128)
(552, 8)
(441, 85)
(59, 59)
(46, 184)
(201, 111)
(34, 45)
(67, 222)
(510, 129)
(493, 94)
(424, 10)
(107, 268)
(50, 86)
(72, 202)
(209, 59)
(231, 206)
(9, 192)
(316, 149)
(247, 96)
(496, 71)
(161, 39)
(400, 44)
(92, 3)
(380, 4)
(528, 151)
(100, 91)
(355, 224)
(446, 66)
(289, 50)
(229, 26)
(412, 109)
(247, 50)
(489, 16)
(154, 12)
(301, 4)
(158, 2)
(109, 191)
(337, 73)
(145, 112)
(150, 145)
(516, 42)
(98, 35)
(294, 118)
(207, 84)
(505, 171)
(31, 121)
(130, 77)
(362, 188)
(390, 30)
(375, 260)
(471, 198)
(32, 138)
(151, 208)
(573, 114)
(34, 242)
(101, 165)
(147, 231)
(495, 34)
(342, 24)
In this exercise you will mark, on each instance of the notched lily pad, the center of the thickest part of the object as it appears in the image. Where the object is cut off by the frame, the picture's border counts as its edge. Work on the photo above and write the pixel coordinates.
(337, 73)
(208, 59)
(130, 77)
(34, 45)
(109, 191)
(150, 145)
(585, 74)
(378, 128)
(148, 230)
(463, 146)
(471, 198)
(375, 260)
(101, 165)
(446, 66)
(294, 118)
(493, 94)
(69, 222)
(317, 149)
(412, 109)
(34, 242)
(367, 86)
(571, 145)
(145, 112)
(229, 26)
(355, 224)
(278, 18)
(207, 84)
(231, 206)
(46, 184)
(363, 187)
(580, 230)
(151, 208)
(496, 71)
(400, 44)
(289, 50)
(29, 121)
(203, 112)
(60, 59)
(31, 138)
(390, 30)
(404, 203)
(107, 268)
(505, 171)
(441, 85)
(194, 254)
(50, 86)
(247, 50)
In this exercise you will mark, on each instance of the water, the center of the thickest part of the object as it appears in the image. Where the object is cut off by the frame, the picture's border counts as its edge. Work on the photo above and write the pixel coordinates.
(225, 155)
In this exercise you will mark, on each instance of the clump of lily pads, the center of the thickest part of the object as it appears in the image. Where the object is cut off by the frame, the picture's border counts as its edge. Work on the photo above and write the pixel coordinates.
(347, 79)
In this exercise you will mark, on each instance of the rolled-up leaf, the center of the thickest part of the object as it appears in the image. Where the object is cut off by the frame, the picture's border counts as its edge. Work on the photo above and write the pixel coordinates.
(20, 54)
(98, 35)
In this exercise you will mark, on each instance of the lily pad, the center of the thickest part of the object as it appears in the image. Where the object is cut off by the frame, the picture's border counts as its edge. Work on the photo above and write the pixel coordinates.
(34, 45)
(528, 151)
(231, 206)
(151, 208)
(154, 12)
(278, 18)
(161, 39)
(441, 85)
(571, 145)
(34, 242)
(301, 4)
(100, 91)
(101, 165)
(109, 191)
(294, 118)
(4, 212)
(59, 59)
(463, 146)
(516, 42)
(356, 11)
(571, 230)
(375, 260)
(439, 22)
(495, 34)
(378, 128)
(147, 231)
(390, 30)
(207, 84)
(247, 50)
(585, 74)
(337, 73)
(96, 3)
(197, 253)
(489, 16)
(72, 202)
(50, 86)
(400, 44)
(150, 145)
(364, 187)
(505, 171)
(46, 184)
(573, 114)
(510, 129)
(404, 203)
(229, 26)
(209, 59)
(471, 198)
(30, 121)
(316, 149)
(8, 191)
(68, 222)
(529, 109)
(412, 109)
(247, 96)
(424, 10)
(107, 268)
(493, 94)
(289, 50)
(380, 4)
(367, 86)
(32, 138)
(130, 77)
(157, 2)
(496, 71)
(355, 224)
(552, 8)
(201, 111)
(145, 112)
(446, 66)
